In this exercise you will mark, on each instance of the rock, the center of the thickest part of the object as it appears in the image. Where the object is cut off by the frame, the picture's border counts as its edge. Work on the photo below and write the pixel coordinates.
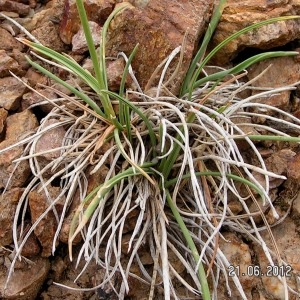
(46, 228)
(293, 167)
(11, 91)
(17, 125)
(287, 241)
(19, 56)
(283, 71)
(7, 64)
(32, 98)
(79, 43)
(8, 204)
(97, 11)
(158, 28)
(3, 116)
(31, 248)
(47, 34)
(35, 77)
(14, 6)
(238, 255)
(51, 11)
(9, 176)
(51, 139)
(239, 14)
(58, 267)
(25, 282)
(20, 123)
(115, 70)
(44, 25)
(278, 163)
(58, 293)
(8, 42)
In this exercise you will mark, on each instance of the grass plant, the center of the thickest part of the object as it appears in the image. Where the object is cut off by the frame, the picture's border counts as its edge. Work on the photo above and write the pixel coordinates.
(173, 159)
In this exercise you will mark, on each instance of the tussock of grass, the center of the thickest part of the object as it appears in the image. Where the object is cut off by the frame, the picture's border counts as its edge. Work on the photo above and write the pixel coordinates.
(174, 160)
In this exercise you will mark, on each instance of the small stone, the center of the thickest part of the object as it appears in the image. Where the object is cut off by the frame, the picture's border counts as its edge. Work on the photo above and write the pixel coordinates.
(9, 176)
(293, 167)
(11, 91)
(32, 99)
(31, 247)
(97, 11)
(3, 116)
(115, 70)
(79, 43)
(7, 64)
(282, 71)
(25, 282)
(238, 255)
(239, 14)
(14, 6)
(47, 34)
(8, 204)
(20, 123)
(16, 125)
(46, 228)
(8, 42)
(51, 139)
(287, 241)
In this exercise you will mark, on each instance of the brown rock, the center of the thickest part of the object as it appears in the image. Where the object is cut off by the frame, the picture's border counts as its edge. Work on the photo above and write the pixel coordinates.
(79, 43)
(8, 42)
(159, 28)
(20, 58)
(277, 163)
(97, 11)
(293, 167)
(287, 241)
(9, 176)
(35, 77)
(239, 14)
(51, 139)
(283, 71)
(14, 6)
(56, 292)
(238, 254)
(44, 25)
(17, 125)
(8, 204)
(115, 70)
(52, 11)
(31, 248)
(11, 91)
(45, 230)
(33, 99)
(3, 116)
(20, 123)
(25, 282)
(7, 64)
(58, 267)
(47, 34)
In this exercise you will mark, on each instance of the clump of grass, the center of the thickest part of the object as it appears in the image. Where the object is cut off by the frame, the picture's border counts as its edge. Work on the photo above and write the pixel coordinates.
(172, 159)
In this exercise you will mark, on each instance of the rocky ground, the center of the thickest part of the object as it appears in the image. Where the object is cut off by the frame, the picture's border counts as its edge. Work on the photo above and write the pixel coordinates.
(158, 27)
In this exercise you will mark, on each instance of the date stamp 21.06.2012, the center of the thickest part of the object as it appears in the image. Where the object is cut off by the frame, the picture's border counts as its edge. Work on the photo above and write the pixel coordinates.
(257, 271)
